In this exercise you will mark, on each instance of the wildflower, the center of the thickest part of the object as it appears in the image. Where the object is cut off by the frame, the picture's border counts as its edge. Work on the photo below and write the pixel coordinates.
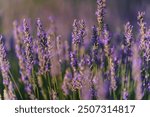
(20, 52)
(95, 46)
(94, 36)
(42, 47)
(87, 89)
(106, 41)
(143, 29)
(74, 60)
(77, 81)
(28, 43)
(101, 5)
(75, 37)
(4, 67)
(128, 34)
(112, 72)
(78, 34)
(136, 72)
(147, 50)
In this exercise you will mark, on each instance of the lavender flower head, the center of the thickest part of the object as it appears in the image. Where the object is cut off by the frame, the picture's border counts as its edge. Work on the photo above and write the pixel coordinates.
(19, 49)
(4, 64)
(112, 72)
(143, 29)
(42, 47)
(77, 81)
(74, 60)
(101, 5)
(128, 33)
(75, 37)
(78, 33)
(4, 67)
(106, 41)
(28, 43)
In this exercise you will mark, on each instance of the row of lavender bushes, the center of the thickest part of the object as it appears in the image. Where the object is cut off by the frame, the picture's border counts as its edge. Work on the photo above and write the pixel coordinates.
(50, 67)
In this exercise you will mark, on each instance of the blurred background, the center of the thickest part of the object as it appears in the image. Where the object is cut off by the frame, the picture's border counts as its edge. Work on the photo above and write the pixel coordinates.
(65, 11)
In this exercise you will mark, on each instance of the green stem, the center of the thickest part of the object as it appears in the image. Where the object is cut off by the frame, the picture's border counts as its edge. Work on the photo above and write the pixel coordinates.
(16, 85)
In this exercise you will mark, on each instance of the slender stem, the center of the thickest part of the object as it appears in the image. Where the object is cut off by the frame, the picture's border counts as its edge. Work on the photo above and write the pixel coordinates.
(16, 85)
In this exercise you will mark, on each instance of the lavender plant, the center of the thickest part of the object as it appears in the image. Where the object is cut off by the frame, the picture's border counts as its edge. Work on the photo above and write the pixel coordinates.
(51, 67)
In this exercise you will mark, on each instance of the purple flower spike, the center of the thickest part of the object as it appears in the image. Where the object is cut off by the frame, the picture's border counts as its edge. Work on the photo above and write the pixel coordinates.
(101, 5)
(74, 60)
(42, 48)
(4, 67)
(28, 44)
(4, 64)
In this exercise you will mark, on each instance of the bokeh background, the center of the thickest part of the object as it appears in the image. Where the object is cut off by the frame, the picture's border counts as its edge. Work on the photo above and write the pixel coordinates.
(65, 11)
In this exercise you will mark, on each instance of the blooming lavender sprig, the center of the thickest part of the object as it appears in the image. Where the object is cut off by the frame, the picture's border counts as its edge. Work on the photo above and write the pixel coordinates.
(96, 44)
(128, 34)
(77, 81)
(4, 66)
(136, 71)
(147, 50)
(20, 52)
(143, 29)
(78, 34)
(113, 84)
(82, 31)
(144, 49)
(28, 44)
(23, 51)
(42, 47)
(75, 38)
(74, 60)
(4, 63)
(106, 41)
(146, 63)
(94, 38)
(101, 5)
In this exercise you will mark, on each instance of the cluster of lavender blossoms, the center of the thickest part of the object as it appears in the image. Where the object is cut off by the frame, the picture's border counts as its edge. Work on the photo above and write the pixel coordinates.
(51, 67)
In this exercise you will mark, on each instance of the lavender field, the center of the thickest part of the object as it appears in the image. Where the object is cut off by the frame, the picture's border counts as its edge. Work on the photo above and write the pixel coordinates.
(93, 63)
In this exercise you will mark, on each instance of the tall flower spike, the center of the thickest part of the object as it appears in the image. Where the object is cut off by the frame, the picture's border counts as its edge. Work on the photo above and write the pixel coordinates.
(28, 43)
(19, 46)
(136, 72)
(4, 67)
(143, 29)
(4, 64)
(106, 41)
(82, 31)
(128, 34)
(74, 60)
(94, 36)
(147, 48)
(101, 5)
(112, 72)
(95, 45)
(128, 41)
(75, 36)
(28, 58)
(42, 47)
